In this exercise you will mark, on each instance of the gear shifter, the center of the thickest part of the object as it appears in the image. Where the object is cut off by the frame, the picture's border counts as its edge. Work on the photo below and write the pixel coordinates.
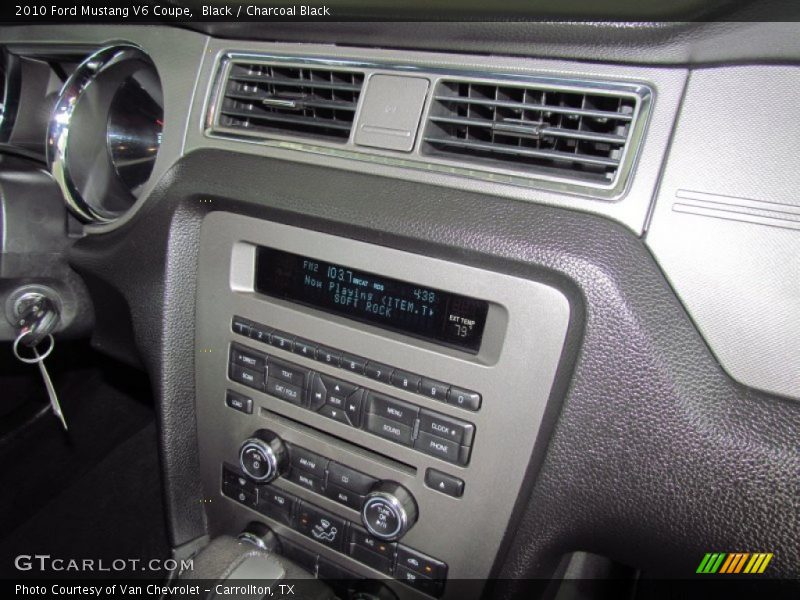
(244, 567)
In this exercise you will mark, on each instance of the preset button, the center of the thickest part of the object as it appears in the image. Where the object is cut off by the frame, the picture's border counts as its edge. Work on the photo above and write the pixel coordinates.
(260, 333)
(353, 363)
(433, 389)
(305, 348)
(241, 326)
(464, 398)
(282, 340)
(378, 372)
(329, 356)
(405, 380)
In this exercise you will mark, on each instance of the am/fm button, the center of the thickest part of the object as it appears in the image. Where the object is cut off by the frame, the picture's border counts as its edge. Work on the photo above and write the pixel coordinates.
(308, 461)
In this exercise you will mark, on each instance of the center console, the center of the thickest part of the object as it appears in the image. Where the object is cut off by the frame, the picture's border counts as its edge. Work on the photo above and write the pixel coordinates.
(377, 409)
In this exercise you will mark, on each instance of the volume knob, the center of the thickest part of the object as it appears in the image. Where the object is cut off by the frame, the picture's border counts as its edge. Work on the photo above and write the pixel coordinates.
(389, 511)
(263, 457)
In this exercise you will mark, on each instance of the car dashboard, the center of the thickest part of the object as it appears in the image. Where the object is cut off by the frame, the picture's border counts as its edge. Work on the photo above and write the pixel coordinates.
(436, 318)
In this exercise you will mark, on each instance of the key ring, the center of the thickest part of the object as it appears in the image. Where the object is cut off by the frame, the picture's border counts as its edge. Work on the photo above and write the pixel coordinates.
(39, 357)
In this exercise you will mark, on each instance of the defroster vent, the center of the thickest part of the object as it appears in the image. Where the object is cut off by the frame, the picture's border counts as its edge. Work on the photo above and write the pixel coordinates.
(539, 129)
(273, 98)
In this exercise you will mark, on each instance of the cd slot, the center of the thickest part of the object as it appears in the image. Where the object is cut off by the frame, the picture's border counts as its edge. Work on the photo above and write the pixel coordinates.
(338, 443)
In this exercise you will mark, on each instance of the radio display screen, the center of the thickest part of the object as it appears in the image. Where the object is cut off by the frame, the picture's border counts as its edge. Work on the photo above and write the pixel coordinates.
(417, 310)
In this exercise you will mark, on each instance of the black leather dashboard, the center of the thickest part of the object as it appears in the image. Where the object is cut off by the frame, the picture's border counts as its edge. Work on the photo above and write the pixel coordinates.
(656, 456)
(741, 39)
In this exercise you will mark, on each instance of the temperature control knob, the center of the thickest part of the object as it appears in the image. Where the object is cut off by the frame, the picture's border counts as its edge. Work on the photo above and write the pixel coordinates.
(389, 511)
(264, 457)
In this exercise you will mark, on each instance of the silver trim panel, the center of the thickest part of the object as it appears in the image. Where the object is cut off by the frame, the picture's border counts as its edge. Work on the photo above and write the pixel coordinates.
(514, 371)
(640, 92)
(188, 79)
(630, 208)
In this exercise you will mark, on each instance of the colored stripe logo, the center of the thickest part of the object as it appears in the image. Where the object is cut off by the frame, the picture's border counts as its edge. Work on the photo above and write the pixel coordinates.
(729, 563)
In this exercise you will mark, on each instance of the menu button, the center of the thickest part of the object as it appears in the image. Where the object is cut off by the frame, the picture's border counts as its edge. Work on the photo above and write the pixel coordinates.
(392, 409)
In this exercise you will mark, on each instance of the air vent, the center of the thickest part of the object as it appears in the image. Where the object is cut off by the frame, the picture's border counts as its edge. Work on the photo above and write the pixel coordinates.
(545, 130)
(263, 99)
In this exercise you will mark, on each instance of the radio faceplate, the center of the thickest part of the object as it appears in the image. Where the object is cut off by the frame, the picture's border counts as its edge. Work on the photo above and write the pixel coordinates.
(512, 371)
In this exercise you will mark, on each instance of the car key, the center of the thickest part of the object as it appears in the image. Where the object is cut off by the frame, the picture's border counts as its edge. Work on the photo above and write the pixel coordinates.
(48, 384)
(39, 361)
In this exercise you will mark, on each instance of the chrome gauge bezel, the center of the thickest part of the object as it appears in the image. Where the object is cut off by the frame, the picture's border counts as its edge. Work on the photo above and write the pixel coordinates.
(89, 73)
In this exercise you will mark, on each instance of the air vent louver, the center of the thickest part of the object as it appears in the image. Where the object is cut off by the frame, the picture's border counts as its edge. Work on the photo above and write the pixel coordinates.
(264, 98)
(538, 129)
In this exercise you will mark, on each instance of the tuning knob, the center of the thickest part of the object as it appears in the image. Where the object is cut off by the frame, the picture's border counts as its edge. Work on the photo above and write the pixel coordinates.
(264, 457)
(389, 511)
